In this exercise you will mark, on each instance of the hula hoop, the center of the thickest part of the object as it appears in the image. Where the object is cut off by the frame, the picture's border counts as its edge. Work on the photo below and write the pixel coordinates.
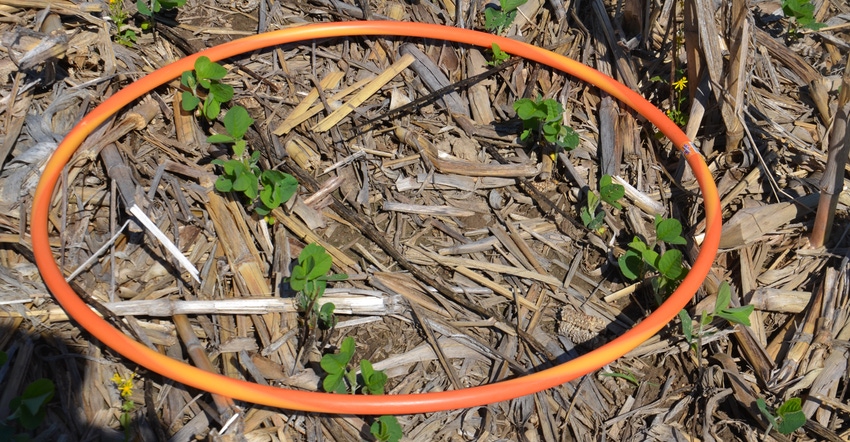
(365, 404)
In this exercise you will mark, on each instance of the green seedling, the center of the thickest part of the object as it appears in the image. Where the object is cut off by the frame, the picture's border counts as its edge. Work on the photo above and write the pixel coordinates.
(735, 315)
(627, 376)
(542, 122)
(339, 379)
(642, 258)
(206, 91)
(123, 35)
(788, 418)
(610, 193)
(29, 409)
(386, 429)
(310, 279)
(149, 9)
(499, 56)
(242, 174)
(497, 20)
(802, 13)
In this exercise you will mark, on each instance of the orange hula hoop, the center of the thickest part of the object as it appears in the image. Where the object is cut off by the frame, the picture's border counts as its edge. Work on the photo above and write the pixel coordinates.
(365, 404)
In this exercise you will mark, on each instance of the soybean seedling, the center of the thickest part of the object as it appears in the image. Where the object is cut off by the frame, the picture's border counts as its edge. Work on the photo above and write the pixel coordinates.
(29, 409)
(499, 56)
(497, 20)
(801, 15)
(310, 279)
(642, 258)
(610, 193)
(542, 122)
(242, 173)
(340, 379)
(156, 6)
(735, 315)
(205, 88)
(788, 418)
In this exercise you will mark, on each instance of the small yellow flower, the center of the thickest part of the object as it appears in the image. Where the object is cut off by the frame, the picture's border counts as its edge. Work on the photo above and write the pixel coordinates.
(116, 378)
(680, 83)
(126, 389)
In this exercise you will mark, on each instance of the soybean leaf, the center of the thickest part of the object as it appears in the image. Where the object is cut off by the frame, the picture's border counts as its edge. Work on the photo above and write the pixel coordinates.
(630, 265)
(373, 380)
(791, 416)
(610, 192)
(687, 326)
(237, 121)
(206, 69)
(511, 5)
(221, 92)
(569, 139)
(764, 411)
(189, 102)
(298, 278)
(322, 263)
(724, 297)
(737, 315)
(526, 109)
(669, 231)
(386, 428)
(211, 107)
(220, 138)
(326, 315)
(143, 8)
(627, 376)
(30, 407)
(670, 265)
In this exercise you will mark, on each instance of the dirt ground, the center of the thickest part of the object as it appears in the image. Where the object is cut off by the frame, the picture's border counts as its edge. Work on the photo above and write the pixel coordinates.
(467, 256)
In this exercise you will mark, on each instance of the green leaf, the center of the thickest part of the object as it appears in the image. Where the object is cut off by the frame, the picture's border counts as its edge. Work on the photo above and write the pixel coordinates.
(790, 406)
(220, 138)
(631, 265)
(335, 363)
(670, 265)
(237, 121)
(171, 4)
(207, 69)
(321, 265)
(223, 184)
(511, 5)
(189, 102)
(687, 326)
(386, 429)
(326, 315)
(737, 315)
(669, 231)
(526, 109)
(764, 411)
(30, 407)
(143, 8)
(724, 297)
(298, 278)
(278, 188)
(221, 92)
(211, 107)
(553, 110)
(611, 193)
(373, 380)
(627, 376)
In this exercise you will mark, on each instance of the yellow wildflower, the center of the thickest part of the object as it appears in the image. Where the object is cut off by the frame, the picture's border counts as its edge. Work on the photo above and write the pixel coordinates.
(680, 83)
(126, 389)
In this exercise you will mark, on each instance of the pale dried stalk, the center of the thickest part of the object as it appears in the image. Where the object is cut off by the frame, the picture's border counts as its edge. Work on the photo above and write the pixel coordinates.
(367, 91)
